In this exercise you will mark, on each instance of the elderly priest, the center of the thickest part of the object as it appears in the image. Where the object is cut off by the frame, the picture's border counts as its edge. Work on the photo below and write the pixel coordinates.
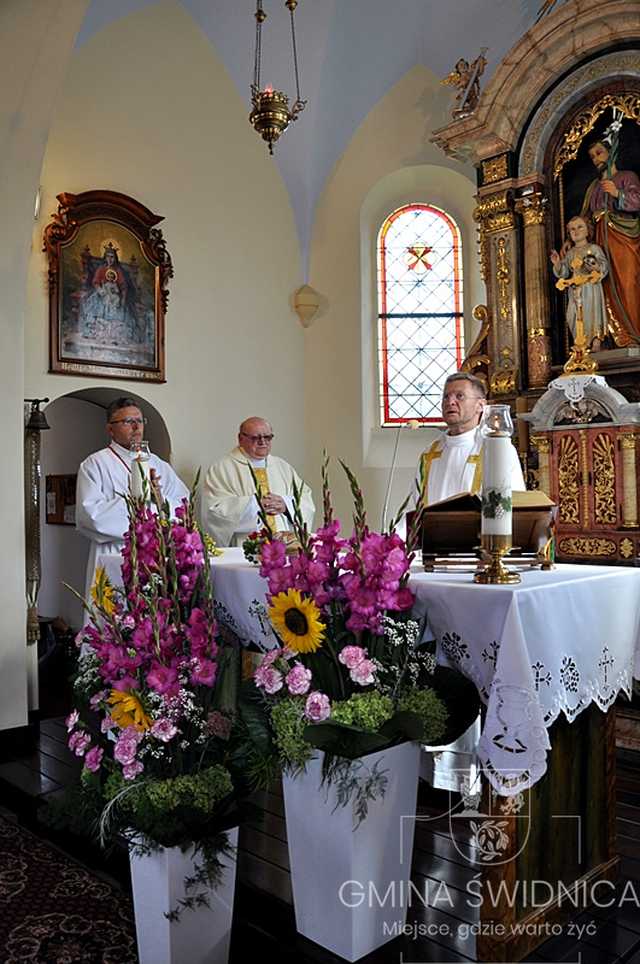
(229, 505)
(104, 477)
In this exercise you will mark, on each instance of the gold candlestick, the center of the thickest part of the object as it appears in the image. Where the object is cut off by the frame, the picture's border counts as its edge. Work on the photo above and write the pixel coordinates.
(495, 572)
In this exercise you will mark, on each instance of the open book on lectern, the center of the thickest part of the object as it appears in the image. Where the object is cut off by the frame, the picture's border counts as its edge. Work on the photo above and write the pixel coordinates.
(453, 525)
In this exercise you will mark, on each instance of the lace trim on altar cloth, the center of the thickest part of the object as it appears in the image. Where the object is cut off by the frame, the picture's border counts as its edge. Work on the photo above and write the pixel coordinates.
(514, 744)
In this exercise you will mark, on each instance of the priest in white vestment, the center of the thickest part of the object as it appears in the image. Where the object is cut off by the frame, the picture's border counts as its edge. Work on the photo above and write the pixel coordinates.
(453, 463)
(229, 504)
(103, 478)
(451, 466)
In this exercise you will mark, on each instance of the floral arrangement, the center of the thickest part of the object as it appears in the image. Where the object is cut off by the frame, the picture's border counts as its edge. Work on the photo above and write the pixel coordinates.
(347, 675)
(152, 725)
(252, 545)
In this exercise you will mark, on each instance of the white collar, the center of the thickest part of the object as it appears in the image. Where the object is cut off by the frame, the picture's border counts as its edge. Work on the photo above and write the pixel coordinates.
(464, 440)
(121, 450)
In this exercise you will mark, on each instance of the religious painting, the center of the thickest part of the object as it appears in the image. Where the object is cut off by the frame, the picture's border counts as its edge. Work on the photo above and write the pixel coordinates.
(596, 171)
(108, 276)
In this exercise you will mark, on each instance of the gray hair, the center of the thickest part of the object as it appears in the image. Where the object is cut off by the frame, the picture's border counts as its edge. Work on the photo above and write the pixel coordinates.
(477, 383)
(118, 403)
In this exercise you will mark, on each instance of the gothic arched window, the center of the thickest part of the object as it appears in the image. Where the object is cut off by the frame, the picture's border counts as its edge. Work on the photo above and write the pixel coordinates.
(420, 320)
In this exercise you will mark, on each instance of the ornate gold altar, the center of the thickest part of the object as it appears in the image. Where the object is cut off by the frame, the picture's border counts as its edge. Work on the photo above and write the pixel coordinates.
(570, 84)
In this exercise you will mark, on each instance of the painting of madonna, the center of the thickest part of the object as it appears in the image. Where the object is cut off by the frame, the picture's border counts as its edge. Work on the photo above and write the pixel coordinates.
(107, 299)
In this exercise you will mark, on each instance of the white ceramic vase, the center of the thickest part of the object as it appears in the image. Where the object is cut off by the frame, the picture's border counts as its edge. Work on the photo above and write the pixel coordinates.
(350, 887)
(200, 936)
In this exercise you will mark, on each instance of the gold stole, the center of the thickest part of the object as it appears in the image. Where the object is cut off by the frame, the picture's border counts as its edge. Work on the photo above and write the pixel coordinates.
(434, 453)
(263, 486)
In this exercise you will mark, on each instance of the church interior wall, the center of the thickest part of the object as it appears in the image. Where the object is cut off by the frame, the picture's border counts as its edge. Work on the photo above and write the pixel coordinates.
(131, 118)
(35, 46)
(389, 161)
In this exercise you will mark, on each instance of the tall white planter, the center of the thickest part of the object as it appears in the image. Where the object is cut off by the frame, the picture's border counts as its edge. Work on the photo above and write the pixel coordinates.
(350, 887)
(202, 935)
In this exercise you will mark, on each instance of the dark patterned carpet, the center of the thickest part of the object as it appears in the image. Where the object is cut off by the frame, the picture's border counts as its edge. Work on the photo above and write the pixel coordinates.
(54, 911)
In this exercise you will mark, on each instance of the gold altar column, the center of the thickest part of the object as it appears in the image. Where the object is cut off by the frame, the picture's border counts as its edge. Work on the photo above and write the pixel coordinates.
(543, 445)
(629, 481)
(499, 258)
(532, 207)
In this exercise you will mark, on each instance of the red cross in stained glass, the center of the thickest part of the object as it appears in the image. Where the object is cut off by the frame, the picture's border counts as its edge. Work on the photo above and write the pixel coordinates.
(418, 257)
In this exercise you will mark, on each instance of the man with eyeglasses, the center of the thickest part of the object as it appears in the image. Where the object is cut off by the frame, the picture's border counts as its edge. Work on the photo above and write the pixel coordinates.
(229, 504)
(101, 511)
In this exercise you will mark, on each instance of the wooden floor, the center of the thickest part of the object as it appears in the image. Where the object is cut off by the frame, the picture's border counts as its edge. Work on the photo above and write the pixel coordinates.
(262, 923)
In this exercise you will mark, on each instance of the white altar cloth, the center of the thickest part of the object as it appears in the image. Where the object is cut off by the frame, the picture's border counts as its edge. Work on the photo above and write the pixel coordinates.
(556, 642)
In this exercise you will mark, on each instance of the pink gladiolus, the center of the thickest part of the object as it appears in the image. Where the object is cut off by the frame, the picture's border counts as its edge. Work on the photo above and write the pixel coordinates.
(93, 759)
(163, 679)
(298, 679)
(79, 742)
(317, 708)
(203, 672)
(351, 656)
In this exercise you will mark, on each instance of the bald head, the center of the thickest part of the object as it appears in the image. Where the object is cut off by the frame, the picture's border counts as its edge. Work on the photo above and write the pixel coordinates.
(254, 437)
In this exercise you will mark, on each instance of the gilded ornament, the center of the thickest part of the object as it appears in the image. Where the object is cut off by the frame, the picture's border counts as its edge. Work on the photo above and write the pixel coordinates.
(629, 104)
(503, 278)
(568, 484)
(627, 440)
(495, 169)
(582, 546)
(586, 477)
(476, 357)
(532, 208)
(541, 443)
(603, 455)
(503, 382)
(626, 548)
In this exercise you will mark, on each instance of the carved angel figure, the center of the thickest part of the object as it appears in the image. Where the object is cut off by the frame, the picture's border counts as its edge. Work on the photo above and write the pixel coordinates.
(467, 80)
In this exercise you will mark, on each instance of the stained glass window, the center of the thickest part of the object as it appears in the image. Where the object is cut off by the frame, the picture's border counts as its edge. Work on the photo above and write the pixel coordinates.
(420, 320)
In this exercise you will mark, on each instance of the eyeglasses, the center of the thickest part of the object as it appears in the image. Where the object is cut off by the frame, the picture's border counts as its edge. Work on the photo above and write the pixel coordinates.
(258, 438)
(128, 421)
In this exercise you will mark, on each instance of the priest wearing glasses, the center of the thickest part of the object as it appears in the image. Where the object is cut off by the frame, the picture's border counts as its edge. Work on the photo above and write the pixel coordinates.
(103, 478)
(229, 505)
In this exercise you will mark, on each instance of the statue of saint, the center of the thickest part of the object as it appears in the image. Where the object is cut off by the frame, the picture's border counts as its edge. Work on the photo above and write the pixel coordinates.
(612, 201)
(583, 258)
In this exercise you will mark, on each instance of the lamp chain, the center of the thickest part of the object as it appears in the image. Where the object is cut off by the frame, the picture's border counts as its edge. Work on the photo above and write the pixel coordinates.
(257, 64)
(295, 51)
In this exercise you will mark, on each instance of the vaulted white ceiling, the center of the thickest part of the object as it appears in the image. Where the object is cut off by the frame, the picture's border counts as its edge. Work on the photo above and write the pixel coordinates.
(351, 53)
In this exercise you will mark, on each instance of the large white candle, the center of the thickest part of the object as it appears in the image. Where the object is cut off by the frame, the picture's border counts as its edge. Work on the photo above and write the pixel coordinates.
(496, 485)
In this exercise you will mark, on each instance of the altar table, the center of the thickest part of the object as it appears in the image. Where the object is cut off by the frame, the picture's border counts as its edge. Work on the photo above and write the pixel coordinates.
(556, 643)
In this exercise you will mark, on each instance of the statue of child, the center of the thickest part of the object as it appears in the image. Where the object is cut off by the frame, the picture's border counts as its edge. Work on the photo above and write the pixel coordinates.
(582, 257)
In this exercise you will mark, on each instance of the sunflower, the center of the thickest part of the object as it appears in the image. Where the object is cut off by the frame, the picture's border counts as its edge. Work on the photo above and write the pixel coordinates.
(102, 592)
(127, 711)
(297, 621)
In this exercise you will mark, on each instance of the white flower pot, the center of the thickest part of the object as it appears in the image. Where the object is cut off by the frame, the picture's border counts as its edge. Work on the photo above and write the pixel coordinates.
(200, 936)
(350, 887)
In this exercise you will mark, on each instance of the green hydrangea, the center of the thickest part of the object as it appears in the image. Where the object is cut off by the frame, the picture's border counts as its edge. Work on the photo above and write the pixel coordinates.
(429, 708)
(368, 711)
(287, 718)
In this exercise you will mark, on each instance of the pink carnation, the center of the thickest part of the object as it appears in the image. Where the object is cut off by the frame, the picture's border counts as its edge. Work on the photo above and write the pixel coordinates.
(93, 759)
(298, 679)
(268, 678)
(363, 673)
(131, 770)
(79, 742)
(317, 707)
(352, 656)
(72, 720)
(164, 730)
